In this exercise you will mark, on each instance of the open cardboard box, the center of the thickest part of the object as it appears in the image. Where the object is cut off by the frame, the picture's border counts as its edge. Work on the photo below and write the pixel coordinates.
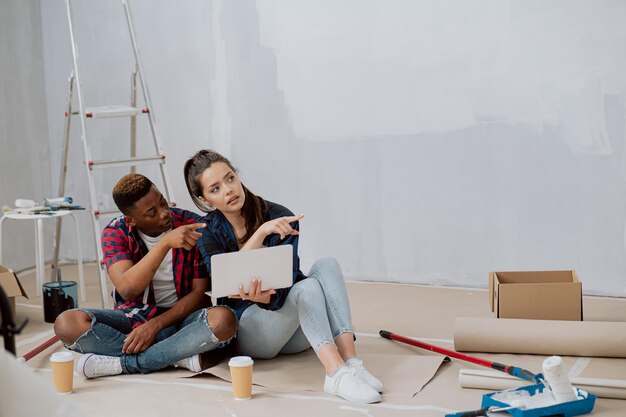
(11, 286)
(546, 295)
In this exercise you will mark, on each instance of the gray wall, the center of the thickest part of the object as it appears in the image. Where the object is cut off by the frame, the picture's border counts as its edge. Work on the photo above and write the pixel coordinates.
(424, 141)
(24, 145)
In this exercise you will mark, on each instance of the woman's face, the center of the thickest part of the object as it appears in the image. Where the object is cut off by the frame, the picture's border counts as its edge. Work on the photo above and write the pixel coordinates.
(221, 188)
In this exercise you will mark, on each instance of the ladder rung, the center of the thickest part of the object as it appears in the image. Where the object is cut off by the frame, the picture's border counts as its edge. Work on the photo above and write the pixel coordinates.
(159, 159)
(115, 212)
(113, 111)
(107, 213)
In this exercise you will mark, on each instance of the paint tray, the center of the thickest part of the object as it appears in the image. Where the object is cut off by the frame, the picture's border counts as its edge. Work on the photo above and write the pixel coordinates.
(583, 405)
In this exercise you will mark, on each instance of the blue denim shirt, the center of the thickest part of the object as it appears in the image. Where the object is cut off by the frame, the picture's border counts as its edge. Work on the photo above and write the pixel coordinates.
(219, 237)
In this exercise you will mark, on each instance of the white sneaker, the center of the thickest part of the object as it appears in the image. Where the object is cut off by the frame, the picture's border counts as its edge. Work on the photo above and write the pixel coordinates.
(364, 374)
(191, 363)
(345, 384)
(94, 366)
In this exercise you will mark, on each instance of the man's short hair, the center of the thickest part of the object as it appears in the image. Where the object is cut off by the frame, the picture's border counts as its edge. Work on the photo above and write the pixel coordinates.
(130, 189)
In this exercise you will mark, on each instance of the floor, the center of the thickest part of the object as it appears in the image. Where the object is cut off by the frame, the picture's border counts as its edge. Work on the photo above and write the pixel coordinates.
(416, 311)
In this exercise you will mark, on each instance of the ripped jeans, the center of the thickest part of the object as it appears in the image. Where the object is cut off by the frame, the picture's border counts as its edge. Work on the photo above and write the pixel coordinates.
(109, 328)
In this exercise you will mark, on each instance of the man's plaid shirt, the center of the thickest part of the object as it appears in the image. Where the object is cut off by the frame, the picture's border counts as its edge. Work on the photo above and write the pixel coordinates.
(120, 241)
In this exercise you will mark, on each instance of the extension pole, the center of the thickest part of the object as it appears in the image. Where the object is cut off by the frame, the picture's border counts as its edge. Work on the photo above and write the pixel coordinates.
(511, 370)
(45, 345)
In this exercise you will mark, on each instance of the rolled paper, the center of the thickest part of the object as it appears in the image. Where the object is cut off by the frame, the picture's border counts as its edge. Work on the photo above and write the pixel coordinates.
(59, 201)
(541, 337)
(493, 380)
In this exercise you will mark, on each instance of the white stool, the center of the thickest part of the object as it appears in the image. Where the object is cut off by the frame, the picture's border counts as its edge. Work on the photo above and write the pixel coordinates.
(39, 252)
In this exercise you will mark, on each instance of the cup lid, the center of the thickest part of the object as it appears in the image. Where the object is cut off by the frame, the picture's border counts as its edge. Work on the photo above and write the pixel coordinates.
(240, 361)
(62, 357)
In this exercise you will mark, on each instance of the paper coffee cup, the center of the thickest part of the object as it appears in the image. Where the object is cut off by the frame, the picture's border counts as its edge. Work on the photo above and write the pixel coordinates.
(241, 374)
(62, 364)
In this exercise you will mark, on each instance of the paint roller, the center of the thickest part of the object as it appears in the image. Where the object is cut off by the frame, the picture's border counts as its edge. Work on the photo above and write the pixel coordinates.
(511, 370)
(557, 380)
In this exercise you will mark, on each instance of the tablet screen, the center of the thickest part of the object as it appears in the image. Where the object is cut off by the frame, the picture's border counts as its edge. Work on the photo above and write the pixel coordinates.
(273, 265)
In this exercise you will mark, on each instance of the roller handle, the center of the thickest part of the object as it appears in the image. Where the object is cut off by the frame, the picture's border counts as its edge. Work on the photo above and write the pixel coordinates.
(45, 345)
(515, 371)
(511, 370)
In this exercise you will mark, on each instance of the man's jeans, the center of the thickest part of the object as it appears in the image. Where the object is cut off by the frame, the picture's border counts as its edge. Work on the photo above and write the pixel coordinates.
(109, 328)
(315, 312)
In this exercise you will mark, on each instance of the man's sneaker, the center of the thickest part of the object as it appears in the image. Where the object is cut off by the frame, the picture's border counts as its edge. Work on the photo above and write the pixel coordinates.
(191, 363)
(94, 366)
(345, 384)
(364, 374)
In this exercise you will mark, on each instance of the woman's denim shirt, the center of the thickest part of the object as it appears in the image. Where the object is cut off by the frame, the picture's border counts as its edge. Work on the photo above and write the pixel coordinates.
(219, 237)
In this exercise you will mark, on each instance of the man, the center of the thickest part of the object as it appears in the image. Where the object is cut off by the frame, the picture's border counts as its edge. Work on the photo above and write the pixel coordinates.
(161, 316)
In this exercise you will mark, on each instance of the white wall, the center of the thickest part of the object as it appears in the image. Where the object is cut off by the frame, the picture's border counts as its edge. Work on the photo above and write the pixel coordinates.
(424, 141)
(24, 147)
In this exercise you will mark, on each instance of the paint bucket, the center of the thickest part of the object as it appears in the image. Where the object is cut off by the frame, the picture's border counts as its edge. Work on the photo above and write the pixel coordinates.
(58, 296)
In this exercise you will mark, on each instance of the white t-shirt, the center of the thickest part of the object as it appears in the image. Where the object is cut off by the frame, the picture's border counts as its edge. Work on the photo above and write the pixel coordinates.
(163, 281)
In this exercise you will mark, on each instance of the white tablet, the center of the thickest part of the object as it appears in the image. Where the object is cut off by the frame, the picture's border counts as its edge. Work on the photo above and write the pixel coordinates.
(273, 265)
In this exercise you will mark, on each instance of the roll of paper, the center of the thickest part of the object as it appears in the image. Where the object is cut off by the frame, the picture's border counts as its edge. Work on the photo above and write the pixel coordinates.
(59, 201)
(493, 380)
(541, 337)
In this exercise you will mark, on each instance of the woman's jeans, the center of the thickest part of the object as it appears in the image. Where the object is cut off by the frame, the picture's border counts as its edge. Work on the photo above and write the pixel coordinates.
(109, 328)
(315, 312)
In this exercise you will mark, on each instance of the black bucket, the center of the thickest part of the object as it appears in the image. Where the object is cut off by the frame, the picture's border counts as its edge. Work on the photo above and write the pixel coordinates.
(58, 296)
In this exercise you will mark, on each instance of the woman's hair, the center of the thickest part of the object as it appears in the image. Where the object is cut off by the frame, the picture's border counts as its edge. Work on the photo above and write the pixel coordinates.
(130, 189)
(254, 210)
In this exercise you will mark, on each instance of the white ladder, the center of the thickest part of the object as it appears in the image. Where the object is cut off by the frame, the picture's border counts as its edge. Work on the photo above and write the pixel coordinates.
(84, 113)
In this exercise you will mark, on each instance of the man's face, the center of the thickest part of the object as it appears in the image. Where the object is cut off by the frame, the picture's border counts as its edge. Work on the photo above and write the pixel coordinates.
(150, 214)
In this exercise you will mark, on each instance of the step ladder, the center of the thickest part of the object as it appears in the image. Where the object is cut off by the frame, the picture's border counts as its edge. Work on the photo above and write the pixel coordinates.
(84, 114)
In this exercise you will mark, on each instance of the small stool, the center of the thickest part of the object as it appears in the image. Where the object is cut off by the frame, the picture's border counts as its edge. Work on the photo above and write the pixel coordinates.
(39, 251)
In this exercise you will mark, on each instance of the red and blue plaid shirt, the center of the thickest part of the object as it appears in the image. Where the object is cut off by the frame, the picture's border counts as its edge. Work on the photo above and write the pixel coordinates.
(120, 241)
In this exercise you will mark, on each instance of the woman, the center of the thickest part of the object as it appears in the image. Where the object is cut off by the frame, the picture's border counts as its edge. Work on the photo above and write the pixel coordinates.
(314, 312)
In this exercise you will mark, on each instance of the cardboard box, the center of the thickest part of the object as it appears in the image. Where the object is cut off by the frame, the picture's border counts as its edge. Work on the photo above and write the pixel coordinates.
(11, 286)
(546, 295)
